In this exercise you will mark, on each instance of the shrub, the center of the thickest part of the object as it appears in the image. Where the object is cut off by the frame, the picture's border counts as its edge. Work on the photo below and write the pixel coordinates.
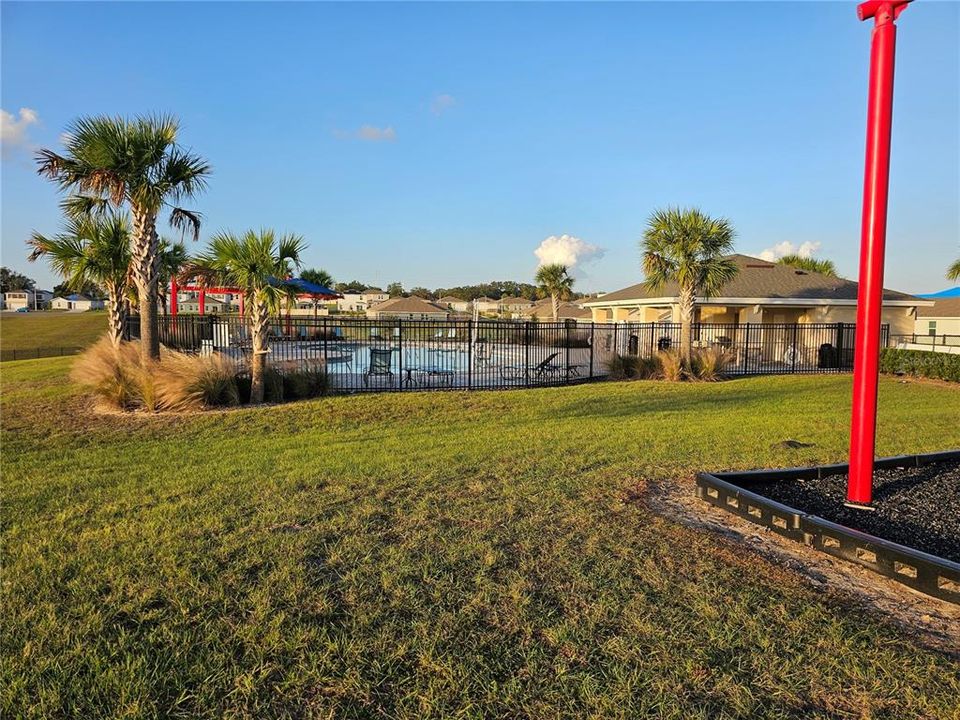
(243, 388)
(622, 367)
(671, 365)
(633, 367)
(308, 383)
(272, 385)
(920, 363)
(709, 364)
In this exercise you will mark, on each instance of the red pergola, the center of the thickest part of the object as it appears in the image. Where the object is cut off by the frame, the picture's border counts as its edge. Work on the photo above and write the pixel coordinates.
(202, 291)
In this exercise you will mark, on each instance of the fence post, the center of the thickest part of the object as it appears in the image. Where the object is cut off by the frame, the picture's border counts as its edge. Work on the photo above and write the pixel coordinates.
(796, 350)
(526, 353)
(746, 346)
(593, 339)
(400, 353)
(566, 327)
(470, 354)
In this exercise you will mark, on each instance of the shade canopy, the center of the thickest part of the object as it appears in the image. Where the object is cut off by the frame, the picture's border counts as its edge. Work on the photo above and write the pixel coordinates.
(305, 287)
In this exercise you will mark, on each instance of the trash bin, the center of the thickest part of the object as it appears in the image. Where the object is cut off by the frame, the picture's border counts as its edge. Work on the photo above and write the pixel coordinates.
(827, 356)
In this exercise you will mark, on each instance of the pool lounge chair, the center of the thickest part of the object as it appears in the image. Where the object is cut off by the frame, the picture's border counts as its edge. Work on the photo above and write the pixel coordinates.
(545, 369)
(380, 365)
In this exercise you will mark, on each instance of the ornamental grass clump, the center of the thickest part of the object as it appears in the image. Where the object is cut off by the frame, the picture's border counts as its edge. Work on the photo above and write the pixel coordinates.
(671, 365)
(190, 382)
(121, 379)
(113, 373)
(710, 364)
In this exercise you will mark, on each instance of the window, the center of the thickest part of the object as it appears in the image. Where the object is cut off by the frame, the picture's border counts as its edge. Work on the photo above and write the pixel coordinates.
(932, 327)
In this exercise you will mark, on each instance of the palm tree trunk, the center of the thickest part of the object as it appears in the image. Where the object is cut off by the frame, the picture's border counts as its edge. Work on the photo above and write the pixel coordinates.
(143, 250)
(260, 326)
(116, 315)
(556, 306)
(686, 324)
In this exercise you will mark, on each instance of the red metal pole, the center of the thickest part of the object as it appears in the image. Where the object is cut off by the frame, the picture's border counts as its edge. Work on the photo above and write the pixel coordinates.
(873, 232)
(173, 296)
(202, 304)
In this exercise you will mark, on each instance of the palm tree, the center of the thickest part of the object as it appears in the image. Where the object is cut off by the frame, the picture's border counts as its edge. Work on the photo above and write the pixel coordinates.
(92, 249)
(258, 263)
(135, 162)
(953, 272)
(554, 280)
(821, 266)
(171, 256)
(317, 276)
(687, 247)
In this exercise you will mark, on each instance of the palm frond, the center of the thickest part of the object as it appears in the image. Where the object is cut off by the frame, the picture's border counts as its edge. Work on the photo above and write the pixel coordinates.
(953, 272)
(186, 221)
(809, 264)
(76, 206)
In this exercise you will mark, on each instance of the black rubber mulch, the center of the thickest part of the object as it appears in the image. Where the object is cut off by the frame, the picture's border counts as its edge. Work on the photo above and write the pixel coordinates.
(916, 507)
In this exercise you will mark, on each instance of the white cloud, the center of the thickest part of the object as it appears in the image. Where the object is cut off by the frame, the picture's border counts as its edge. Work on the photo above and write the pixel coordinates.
(804, 250)
(441, 103)
(368, 133)
(566, 250)
(13, 129)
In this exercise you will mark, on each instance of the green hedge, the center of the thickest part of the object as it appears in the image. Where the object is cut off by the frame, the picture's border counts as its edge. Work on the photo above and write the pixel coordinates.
(922, 363)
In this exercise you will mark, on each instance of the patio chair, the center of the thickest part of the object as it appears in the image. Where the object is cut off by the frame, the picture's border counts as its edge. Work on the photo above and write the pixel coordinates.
(481, 353)
(435, 369)
(538, 371)
(381, 360)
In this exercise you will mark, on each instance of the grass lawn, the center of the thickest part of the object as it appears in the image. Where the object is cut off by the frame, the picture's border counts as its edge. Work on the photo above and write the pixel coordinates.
(29, 331)
(433, 555)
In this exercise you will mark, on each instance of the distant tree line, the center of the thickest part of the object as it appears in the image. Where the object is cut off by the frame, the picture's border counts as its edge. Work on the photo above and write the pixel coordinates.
(12, 281)
(495, 289)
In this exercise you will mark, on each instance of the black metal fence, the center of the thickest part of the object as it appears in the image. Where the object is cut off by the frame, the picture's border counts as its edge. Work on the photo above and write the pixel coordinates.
(759, 348)
(371, 355)
(933, 340)
(39, 352)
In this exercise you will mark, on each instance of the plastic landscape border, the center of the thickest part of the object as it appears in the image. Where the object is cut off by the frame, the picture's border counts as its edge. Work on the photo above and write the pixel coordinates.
(921, 571)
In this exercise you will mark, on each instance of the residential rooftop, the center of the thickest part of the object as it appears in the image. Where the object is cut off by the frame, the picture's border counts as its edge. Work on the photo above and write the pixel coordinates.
(760, 279)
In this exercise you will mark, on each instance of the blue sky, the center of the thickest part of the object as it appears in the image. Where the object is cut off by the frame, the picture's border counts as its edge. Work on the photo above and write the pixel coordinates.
(440, 144)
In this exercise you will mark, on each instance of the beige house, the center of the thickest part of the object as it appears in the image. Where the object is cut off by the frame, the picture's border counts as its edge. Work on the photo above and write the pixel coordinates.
(76, 301)
(362, 301)
(408, 308)
(514, 306)
(211, 305)
(939, 324)
(30, 299)
(762, 292)
(454, 303)
(486, 304)
(542, 311)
